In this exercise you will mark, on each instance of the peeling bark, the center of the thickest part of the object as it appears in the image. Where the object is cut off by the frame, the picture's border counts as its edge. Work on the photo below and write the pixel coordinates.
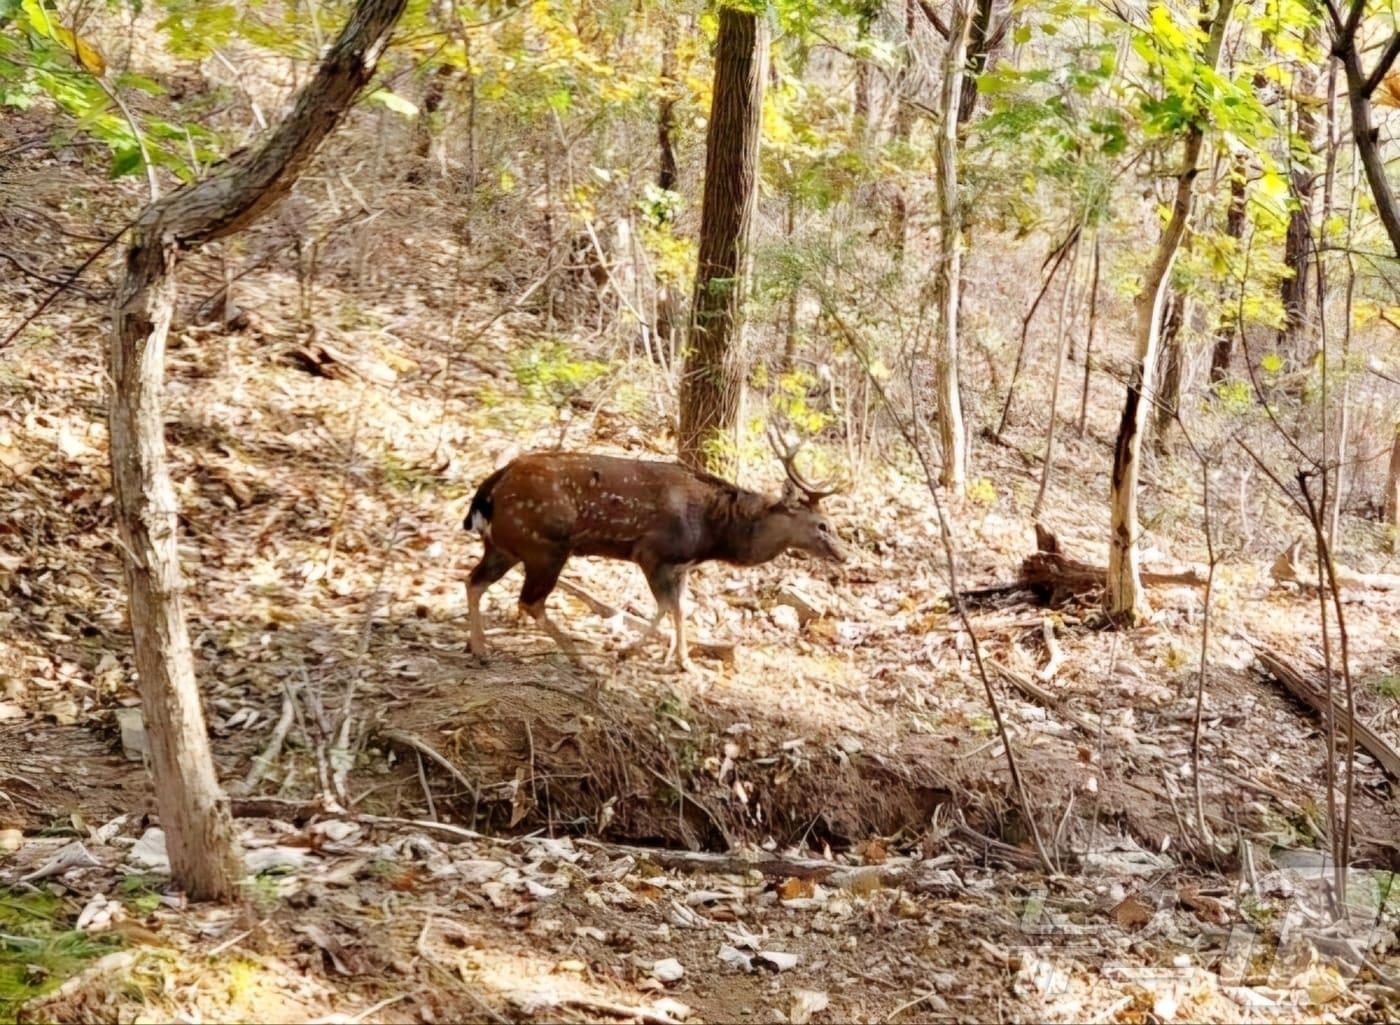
(193, 809)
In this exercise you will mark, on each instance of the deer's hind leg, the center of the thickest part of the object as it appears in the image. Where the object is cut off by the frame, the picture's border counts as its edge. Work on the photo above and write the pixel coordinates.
(541, 574)
(494, 564)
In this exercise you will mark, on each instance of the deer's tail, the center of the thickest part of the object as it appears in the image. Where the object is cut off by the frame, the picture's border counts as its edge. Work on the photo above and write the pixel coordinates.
(479, 515)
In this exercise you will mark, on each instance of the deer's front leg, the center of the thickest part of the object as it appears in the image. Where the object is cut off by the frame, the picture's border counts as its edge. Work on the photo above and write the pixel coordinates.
(668, 588)
(678, 642)
(494, 564)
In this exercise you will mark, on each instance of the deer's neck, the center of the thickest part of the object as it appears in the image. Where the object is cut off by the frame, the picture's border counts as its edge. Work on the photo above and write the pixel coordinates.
(745, 532)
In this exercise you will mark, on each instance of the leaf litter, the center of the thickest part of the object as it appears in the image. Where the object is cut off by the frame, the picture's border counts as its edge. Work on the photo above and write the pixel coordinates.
(321, 500)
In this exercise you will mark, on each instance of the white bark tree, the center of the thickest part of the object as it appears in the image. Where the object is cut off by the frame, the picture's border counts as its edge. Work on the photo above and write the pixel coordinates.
(194, 812)
(952, 432)
(1123, 591)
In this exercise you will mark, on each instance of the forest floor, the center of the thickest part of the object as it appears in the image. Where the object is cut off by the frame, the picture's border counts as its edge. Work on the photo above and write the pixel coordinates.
(818, 827)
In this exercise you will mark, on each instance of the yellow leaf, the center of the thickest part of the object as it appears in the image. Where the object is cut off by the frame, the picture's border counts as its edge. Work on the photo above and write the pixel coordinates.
(1388, 93)
(89, 56)
(84, 52)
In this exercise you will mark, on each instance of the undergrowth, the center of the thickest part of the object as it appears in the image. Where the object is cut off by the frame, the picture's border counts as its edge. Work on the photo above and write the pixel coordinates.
(39, 948)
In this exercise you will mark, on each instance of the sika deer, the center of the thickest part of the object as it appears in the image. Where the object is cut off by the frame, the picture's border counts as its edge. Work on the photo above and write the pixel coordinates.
(546, 506)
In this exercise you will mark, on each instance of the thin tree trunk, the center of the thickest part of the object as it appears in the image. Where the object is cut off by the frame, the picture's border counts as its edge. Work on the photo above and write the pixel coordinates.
(666, 178)
(1297, 248)
(1089, 339)
(1172, 359)
(952, 432)
(1392, 492)
(1224, 349)
(666, 110)
(433, 96)
(1060, 331)
(862, 107)
(712, 385)
(193, 810)
(903, 128)
(1344, 427)
(1123, 588)
(790, 307)
(981, 43)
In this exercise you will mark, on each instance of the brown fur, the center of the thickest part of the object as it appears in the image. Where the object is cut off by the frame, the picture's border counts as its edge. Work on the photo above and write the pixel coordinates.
(545, 507)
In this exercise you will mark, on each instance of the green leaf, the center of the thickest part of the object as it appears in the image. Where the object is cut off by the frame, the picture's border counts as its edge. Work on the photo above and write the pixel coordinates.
(395, 102)
(124, 162)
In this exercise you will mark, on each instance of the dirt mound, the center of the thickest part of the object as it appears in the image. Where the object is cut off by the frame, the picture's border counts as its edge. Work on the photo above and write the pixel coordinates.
(527, 747)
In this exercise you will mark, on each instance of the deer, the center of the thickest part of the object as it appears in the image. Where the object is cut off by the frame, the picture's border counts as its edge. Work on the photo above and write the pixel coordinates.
(544, 507)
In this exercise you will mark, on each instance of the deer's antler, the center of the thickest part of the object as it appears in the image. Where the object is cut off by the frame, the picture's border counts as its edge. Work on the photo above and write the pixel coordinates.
(786, 452)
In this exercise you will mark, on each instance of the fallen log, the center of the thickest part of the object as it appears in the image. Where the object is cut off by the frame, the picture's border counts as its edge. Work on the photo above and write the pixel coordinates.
(1056, 572)
(1289, 568)
(1314, 694)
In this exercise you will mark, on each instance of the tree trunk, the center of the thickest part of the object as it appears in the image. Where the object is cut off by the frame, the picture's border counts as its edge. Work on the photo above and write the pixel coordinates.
(666, 178)
(1089, 338)
(1392, 492)
(712, 385)
(433, 96)
(902, 129)
(790, 307)
(1297, 248)
(1061, 328)
(193, 810)
(952, 433)
(1360, 88)
(1172, 358)
(666, 110)
(1123, 588)
(1224, 349)
(980, 45)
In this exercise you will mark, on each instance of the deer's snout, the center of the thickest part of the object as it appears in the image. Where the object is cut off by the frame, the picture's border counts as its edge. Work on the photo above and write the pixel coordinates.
(831, 549)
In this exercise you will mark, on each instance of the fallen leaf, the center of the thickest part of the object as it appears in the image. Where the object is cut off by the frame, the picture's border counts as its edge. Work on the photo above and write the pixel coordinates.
(668, 969)
(735, 958)
(779, 960)
(805, 1003)
(1131, 913)
(793, 888)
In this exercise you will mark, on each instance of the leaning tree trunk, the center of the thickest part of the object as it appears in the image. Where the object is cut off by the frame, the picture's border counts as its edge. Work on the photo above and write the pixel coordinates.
(952, 432)
(1122, 593)
(193, 810)
(713, 380)
(1361, 87)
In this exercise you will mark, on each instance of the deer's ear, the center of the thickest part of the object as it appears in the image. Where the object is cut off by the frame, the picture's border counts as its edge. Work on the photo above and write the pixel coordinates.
(792, 497)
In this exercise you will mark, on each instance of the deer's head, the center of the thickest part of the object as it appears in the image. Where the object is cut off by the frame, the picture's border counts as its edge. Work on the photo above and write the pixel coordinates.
(796, 515)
